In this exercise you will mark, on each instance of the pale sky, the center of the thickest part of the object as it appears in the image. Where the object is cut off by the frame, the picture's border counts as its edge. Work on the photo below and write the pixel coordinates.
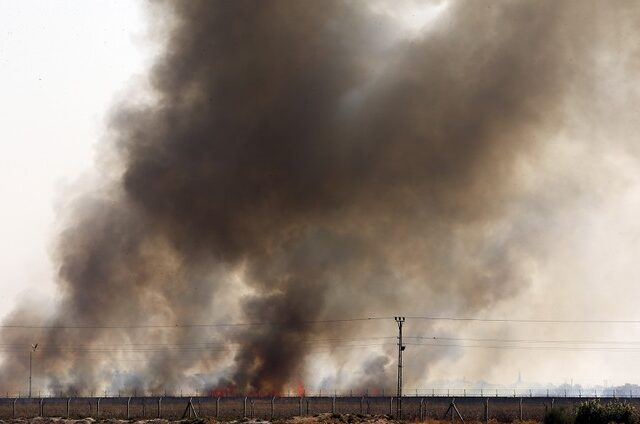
(61, 65)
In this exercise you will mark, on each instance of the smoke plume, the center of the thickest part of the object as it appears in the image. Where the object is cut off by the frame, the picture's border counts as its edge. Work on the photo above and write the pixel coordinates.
(301, 162)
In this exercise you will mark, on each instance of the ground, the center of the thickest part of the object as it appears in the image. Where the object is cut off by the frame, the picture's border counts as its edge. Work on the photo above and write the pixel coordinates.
(318, 419)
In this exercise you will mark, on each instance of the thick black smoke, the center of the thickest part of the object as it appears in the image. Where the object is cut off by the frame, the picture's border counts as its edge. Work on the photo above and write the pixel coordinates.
(333, 169)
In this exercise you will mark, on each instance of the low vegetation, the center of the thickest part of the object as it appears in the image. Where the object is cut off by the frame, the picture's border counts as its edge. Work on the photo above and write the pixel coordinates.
(594, 412)
(559, 416)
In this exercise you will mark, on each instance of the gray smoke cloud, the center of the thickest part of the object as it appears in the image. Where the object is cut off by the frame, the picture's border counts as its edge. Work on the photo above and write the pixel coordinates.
(299, 164)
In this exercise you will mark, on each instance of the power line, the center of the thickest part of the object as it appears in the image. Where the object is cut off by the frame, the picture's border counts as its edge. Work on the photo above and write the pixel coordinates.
(551, 348)
(328, 321)
(198, 325)
(162, 346)
(530, 321)
(207, 346)
(554, 341)
(198, 350)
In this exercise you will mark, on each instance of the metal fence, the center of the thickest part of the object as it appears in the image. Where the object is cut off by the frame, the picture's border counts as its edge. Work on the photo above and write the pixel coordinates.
(475, 408)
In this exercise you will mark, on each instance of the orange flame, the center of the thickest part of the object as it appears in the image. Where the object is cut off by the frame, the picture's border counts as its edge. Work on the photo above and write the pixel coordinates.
(228, 390)
(300, 390)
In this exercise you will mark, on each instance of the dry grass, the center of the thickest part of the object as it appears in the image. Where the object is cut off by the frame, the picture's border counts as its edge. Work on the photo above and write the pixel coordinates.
(491, 421)
(317, 419)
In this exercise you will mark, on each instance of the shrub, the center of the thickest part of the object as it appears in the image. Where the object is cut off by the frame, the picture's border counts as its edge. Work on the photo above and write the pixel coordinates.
(621, 412)
(590, 412)
(558, 416)
(595, 412)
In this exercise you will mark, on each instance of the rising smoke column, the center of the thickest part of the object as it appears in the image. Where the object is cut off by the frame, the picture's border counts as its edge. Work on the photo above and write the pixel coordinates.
(337, 173)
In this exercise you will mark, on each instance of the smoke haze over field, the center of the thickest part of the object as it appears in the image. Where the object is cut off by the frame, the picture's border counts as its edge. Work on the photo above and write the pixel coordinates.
(303, 162)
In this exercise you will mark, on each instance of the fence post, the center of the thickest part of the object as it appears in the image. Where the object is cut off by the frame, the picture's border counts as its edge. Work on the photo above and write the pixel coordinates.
(217, 407)
(420, 413)
(308, 400)
(391, 405)
(41, 407)
(333, 404)
(69, 408)
(159, 407)
(273, 402)
(486, 411)
(14, 407)
(244, 408)
(300, 407)
(362, 405)
(521, 409)
(128, 405)
(98, 408)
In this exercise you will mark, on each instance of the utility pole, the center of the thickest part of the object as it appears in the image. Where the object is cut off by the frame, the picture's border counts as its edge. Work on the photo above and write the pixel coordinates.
(401, 347)
(33, 349)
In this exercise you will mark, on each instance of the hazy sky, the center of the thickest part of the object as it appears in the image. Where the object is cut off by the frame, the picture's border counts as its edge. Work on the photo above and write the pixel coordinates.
(63, 63)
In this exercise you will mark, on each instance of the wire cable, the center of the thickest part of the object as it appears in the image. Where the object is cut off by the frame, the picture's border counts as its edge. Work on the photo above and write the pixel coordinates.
(528, 321)
(178, 326)
(546, 341)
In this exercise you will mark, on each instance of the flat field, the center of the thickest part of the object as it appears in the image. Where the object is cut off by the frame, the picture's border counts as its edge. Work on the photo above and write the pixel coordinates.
(500, 409)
